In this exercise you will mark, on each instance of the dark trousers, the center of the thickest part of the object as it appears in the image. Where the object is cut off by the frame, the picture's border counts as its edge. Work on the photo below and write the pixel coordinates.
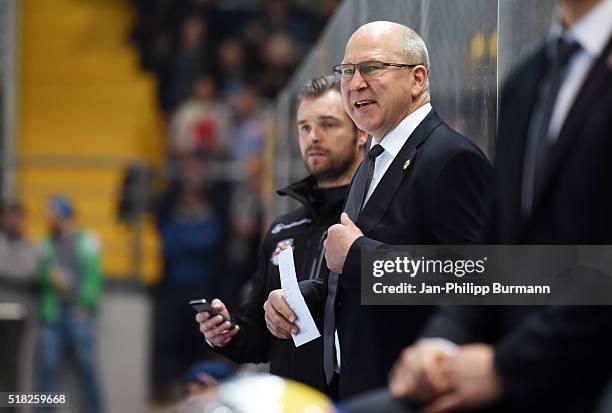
(74, 334)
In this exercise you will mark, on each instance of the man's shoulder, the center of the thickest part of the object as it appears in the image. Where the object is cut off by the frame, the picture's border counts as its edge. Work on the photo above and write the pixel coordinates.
(89, 241)
(531, 63)
(289, 220)
(283, 231)
(445, 142)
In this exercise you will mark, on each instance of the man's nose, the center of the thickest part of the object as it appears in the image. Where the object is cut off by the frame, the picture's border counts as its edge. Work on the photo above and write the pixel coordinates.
(314, 135)
(357, 82)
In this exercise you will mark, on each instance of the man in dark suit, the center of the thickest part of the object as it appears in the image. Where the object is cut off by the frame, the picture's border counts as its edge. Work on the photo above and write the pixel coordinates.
(427, 185)
(553, 163)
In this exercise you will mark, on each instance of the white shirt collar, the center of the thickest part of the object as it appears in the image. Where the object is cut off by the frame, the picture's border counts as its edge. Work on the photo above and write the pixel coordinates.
(395, 139)
(592, 31)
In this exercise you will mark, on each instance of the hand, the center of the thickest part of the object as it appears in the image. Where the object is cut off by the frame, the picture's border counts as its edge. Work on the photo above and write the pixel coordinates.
(280, 318)
(417, 375)
(340, 237)
(216, 330)
(59, 279)
(474, 381)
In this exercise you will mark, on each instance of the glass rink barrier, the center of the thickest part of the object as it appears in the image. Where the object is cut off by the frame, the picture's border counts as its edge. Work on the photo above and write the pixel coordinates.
(472, 44)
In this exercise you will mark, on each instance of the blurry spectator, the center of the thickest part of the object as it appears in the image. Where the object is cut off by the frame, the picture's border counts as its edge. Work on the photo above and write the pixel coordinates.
(179, 72)
(249, 129)
(70, 282)
(253, 36)
(191, 233)
(201, 383)
(18, 264)
(18, 259)
(280, 56)
(232, 71)
(201, 123)
(246, 226)
(191, 169)
(195, 170)
(281, 18)
(246, 205)
(202, 377)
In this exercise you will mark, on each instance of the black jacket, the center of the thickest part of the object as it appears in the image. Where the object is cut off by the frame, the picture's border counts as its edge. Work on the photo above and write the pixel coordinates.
(305, 229)
(436, 191)
(554, 358)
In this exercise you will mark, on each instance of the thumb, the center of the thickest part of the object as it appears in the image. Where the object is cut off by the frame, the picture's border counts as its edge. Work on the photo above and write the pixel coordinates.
(345, 220)
(220, 307)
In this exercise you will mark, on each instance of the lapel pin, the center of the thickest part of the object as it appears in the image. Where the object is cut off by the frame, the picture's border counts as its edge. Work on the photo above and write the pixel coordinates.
(407, 164)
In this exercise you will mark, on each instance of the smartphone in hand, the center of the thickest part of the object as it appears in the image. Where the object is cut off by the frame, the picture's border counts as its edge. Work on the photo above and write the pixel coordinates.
(201, 305)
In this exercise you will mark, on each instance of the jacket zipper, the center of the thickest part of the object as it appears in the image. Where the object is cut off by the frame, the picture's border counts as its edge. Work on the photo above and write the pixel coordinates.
(315, 271)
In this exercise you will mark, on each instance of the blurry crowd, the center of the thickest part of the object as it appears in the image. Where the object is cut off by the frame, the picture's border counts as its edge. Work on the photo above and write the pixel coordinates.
(51, 290)
(218, 65)
(238, 43)
(60, 280)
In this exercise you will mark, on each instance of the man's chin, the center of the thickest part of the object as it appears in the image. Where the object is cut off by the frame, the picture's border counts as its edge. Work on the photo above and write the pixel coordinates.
(318, 169)
(320, 173)
(366, 123)
(326, 175)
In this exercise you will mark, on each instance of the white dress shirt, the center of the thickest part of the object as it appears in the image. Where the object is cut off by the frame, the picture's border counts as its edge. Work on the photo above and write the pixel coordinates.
(591, 32)
(393, 142)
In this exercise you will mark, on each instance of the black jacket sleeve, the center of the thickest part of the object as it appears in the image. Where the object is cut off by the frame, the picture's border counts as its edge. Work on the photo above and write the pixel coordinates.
(561, 350)
(315, 294)
(252, 343)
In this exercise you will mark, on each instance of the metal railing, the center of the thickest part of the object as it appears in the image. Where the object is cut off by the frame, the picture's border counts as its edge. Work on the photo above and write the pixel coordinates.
(8, 93)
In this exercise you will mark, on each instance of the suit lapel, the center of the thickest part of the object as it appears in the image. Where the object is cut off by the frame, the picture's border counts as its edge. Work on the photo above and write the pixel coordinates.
(383, 194)
(596, 85)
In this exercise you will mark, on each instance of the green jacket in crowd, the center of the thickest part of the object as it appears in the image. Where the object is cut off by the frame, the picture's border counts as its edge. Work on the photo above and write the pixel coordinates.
(90, 276)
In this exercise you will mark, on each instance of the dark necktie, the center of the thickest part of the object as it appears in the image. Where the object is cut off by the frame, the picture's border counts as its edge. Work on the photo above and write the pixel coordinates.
(354, 204)
(543, 146)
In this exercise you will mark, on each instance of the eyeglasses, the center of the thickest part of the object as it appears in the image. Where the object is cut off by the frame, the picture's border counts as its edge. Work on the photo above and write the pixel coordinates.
(368, 69)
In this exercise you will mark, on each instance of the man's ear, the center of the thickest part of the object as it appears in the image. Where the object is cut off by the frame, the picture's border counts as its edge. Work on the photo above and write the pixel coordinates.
(421, 75)
(362, 138)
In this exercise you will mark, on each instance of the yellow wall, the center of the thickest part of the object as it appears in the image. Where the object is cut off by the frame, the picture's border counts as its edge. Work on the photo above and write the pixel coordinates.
(86, 110)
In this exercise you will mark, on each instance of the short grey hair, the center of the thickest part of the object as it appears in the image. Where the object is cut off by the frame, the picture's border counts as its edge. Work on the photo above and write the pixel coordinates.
(414, 49)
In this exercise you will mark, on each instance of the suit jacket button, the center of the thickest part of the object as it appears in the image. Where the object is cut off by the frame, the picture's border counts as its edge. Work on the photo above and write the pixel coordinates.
(338, 303)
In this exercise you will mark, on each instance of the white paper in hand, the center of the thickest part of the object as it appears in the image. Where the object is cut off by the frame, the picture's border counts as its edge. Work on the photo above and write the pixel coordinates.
(295, 300)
